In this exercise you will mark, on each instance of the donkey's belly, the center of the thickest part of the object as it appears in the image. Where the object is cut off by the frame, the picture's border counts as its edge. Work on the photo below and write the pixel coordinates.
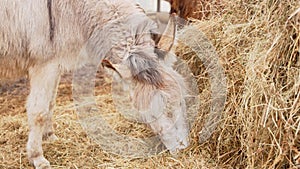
(12, 69)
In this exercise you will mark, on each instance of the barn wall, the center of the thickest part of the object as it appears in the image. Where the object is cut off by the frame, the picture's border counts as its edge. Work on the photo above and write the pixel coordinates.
(151, 5)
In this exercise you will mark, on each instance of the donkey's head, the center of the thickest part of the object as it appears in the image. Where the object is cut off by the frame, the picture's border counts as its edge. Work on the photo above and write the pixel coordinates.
(158, 91)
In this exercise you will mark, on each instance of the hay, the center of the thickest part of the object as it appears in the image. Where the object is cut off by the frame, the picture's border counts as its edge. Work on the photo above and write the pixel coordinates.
(75, 149)
(258, 44)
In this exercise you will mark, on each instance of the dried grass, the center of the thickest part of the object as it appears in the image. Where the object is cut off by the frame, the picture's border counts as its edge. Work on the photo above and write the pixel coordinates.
(75, 149)
(258, 44)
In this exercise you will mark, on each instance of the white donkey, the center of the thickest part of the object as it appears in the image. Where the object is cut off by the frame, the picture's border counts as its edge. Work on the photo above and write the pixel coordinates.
(42, 38)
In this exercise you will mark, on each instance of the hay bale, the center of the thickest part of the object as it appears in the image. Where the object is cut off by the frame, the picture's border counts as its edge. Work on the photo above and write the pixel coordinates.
(258, 44)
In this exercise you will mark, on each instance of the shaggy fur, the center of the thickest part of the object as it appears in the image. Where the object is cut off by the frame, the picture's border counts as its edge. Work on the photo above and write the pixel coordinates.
(143, 69)
(40, 39)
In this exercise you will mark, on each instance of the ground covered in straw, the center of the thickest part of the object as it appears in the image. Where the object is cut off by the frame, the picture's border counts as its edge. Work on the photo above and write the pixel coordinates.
(75, 149)
(258, 43)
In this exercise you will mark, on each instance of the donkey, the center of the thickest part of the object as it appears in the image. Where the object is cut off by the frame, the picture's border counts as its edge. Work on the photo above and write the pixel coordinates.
(41, 39)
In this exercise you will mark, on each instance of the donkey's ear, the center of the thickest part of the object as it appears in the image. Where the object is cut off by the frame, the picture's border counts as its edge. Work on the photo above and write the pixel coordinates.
(167, 39)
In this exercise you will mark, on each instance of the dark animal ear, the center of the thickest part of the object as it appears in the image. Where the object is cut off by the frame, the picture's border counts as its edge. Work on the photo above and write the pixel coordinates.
(144, 69)
(168, 37)
(106, 63)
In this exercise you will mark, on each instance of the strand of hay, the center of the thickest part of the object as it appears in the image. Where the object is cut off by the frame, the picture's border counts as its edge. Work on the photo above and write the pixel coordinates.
(258, 43)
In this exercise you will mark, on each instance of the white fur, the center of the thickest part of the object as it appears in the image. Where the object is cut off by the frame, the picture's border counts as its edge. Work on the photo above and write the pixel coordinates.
(82, 30)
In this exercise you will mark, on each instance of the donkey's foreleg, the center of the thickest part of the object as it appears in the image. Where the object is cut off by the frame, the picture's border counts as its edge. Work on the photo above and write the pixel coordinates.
(43, 82)
(48, 133)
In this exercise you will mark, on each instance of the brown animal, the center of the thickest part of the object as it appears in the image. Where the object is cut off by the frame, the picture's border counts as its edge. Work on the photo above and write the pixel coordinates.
(42, 38)
(199, 9)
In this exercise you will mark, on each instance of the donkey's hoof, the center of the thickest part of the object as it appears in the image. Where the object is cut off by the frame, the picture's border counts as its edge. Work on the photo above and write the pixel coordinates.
(41, 163)
(50, 138)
